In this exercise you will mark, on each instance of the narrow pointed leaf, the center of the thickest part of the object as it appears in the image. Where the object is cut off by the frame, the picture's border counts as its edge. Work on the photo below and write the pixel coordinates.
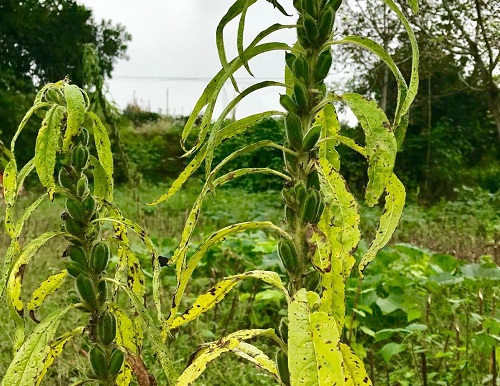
(103, 182)
(313, 345)
(257, 357)
(48, 287)
(46, 147)
(393, 210)
(75, 103)
(209, 299)
(10, 182)
(29, 361)
(128, 335)
(240, 35)
(214, 350)
(381, 146)
(102, 144)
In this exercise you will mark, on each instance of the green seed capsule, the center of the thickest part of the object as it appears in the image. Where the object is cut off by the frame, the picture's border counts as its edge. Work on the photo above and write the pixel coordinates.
(301, 95)
(291, 162)
(326, 22)
(290, 217)
(323, 66)
(74, 228)
(298, 5)
(300, 191)
(283, 329)
(84, 136)
(300, 68)
(74, 269)
(289, 104)
(293, 129)
(312, 281)
(310, 7)
(75, 209)
(319, 213)
(89, 205)
(80, 157)
(66, 181)
(311, 28)
(98, 362)
(334, 4)
(82, 187)
(99, 257)
(115, 364)
(102, 292)
(106, 328)
(309, 208)
(85, 289)
(282, 364)
(301, 33)
(288, 196)
(288, 255)
(77, 254)
(289, 59)
(313, 180)
(311, 138)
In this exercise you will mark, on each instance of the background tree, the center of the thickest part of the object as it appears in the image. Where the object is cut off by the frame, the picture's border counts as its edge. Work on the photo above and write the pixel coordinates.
(44, 41)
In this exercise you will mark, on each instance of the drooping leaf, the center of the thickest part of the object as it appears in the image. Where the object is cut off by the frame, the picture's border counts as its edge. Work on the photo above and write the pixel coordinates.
(257, 357)
(46, 147)
(354, 370)
(393, 210)
(10, 182)
(26, 118)
(48, 287)
(185, 273)
(240, 35)
(75, 104)
(56, 348)
(209, 299)
(212, 351)
(103, 145)
(381, 146)
(242, 172)
(29, 361)
(103, 182)
(314, 357)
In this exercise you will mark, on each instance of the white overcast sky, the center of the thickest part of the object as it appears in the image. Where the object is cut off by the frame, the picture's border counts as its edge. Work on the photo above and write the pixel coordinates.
(176, 39)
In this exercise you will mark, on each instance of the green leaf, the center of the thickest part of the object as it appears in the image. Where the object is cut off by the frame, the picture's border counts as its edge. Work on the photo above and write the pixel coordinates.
(381, 146)
(103, 182)
(26, 118)
(393, 210)
(212, 351)
(214, 295)
(212, 90)
(243, 172)
(29, 362)
(75, 104)
(313, 344)
(46, 147)
(48, 287)
(354, 370)
(414, 6)
(10, 182)
(56, 348)
(391, 349)
(102, 144)
(239, 37)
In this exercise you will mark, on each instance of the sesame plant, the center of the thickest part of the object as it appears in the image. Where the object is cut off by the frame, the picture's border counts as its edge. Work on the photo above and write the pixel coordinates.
(109, 330)
(321, 231)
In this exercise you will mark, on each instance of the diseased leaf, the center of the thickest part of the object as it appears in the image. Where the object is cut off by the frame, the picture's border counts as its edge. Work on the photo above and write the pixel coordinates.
(257, 357)
(314, 358)
(10, 182)
(128, 335)
(76, 113)
(46, 147)
(209, 299)
(26, 118)
(381, 146)
(393, 210)
(103, 182)
(102, 144)
(212, 351)
(29, 361)
(354, 370)
(330, 124)
(48, 287)
(319, 248)
(56, 348)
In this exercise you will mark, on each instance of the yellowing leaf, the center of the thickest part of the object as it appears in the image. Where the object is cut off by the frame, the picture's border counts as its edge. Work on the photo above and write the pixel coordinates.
(48, 287)
(257, 357)
(102, 145)
(75, 104)
(354, 369)
(393, 210)
(330, 124)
